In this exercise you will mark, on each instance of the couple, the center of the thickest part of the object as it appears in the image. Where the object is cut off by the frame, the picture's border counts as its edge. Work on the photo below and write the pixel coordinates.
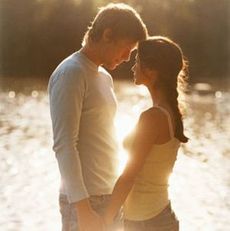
(83, 106)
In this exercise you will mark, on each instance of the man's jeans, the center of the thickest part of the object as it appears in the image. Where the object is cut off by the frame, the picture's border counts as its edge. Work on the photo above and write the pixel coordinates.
(98, 203)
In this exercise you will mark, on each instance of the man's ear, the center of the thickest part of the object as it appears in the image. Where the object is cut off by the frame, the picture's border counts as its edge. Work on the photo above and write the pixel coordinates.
(107, 35)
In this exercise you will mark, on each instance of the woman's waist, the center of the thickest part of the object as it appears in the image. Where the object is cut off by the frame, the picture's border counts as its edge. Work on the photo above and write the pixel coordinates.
(154, 184)
(144, 205)
(149, 193)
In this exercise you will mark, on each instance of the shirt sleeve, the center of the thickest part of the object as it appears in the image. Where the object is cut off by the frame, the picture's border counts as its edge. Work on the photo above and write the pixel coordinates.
(66, 100)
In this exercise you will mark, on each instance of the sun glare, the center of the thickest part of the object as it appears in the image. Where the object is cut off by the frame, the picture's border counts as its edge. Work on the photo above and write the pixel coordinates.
(124, 125)
(127, 116)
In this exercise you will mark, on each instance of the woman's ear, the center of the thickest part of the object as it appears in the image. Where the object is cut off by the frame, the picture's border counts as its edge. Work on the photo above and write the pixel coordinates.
(151, 74)
(107, 35)
(154, 75)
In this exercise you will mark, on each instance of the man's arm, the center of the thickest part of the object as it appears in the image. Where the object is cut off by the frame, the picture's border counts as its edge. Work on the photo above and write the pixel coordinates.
(66, 100)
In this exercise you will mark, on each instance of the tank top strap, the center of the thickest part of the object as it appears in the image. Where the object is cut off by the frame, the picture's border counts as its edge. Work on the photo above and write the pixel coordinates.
(171, 131)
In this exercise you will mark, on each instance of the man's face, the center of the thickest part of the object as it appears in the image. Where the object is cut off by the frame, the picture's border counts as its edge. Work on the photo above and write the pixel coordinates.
(116, 52)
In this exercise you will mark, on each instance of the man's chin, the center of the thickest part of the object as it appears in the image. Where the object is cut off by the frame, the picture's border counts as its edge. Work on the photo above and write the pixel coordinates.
(110, 66)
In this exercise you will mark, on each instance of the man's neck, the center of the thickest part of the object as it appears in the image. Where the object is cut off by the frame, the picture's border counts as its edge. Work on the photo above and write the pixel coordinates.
(92, 53)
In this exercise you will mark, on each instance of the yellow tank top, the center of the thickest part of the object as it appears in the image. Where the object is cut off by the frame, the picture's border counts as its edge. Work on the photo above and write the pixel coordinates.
(149, 195)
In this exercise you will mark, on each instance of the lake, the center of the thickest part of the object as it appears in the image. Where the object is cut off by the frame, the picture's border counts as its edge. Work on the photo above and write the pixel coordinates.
(29, 176)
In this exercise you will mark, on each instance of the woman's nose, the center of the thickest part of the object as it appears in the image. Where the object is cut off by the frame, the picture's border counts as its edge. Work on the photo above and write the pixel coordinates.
(133, 68)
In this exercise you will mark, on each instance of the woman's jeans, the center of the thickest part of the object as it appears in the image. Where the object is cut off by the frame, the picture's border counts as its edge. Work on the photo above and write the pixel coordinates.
(69, 217)
(165, 221)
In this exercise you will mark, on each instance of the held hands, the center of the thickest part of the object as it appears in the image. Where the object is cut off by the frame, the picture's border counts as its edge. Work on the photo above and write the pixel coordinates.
(107, 220)
(88, 219)
(91, 222)
(95, 222)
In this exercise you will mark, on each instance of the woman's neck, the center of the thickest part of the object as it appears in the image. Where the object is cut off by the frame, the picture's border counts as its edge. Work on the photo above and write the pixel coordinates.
(158, 97)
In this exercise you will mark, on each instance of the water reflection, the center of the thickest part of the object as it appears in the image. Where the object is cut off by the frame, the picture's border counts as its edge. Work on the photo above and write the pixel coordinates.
(29, 177)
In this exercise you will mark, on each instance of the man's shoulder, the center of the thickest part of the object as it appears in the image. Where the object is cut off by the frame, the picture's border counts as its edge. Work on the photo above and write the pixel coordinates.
(70, 66)
(104, 72)
(71, 63)
(69, 71)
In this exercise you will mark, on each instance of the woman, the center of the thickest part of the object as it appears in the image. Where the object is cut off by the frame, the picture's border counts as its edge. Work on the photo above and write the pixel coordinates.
(143, 186)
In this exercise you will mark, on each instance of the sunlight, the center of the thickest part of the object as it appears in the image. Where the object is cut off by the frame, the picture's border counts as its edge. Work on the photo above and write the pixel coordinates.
(123, 158)
(142, 90)
(127, 118)
(11, 94)
(124, 125)
(172, 184)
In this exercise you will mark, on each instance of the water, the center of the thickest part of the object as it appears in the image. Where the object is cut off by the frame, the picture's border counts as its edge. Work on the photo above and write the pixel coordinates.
(29, 179)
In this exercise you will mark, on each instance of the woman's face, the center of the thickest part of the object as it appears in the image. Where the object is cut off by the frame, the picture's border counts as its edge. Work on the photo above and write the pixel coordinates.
(142, 75)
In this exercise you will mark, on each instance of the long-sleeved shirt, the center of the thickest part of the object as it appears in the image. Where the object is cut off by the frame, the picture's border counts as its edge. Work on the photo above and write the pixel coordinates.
(82, 107)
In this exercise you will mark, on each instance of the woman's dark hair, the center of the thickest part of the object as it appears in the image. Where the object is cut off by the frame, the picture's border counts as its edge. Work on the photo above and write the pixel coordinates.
(165, 56)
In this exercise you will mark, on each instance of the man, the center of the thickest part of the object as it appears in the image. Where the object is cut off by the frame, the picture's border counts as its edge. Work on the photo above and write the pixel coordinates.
(83, 105)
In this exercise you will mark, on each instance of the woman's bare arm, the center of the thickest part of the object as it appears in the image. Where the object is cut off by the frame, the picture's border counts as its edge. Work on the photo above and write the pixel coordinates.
(145, 136)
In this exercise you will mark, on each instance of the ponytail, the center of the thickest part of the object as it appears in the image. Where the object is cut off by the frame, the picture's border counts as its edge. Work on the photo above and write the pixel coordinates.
(166, 57)
(173, 100)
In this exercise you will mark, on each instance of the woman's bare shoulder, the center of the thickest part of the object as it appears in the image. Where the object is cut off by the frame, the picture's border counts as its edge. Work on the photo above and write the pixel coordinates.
(152, 115)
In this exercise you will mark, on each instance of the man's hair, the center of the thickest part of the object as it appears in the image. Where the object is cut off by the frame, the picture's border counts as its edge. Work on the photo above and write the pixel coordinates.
(123, 21)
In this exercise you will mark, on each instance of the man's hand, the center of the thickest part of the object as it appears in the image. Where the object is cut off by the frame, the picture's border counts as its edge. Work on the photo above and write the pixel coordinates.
(107, 219)
(88, 219)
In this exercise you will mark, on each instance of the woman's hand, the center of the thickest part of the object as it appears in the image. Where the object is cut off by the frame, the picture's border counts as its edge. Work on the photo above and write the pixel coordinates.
(92, 222)
(88, 219)
(107, 221)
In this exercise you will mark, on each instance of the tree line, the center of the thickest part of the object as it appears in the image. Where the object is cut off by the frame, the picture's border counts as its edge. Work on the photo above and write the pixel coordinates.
(35, 35)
